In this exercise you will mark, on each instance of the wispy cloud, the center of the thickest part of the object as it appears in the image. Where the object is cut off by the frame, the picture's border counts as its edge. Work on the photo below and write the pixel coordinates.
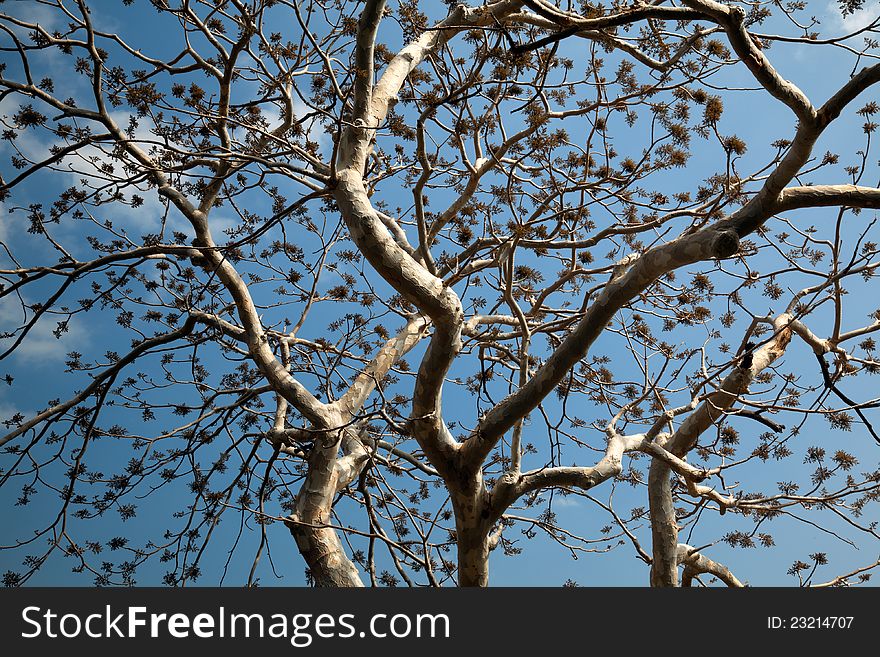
(9, 411)
(85, 164)
(34, 12)
(40, 346)
(566, 501)
(852, 22)
(4, 225)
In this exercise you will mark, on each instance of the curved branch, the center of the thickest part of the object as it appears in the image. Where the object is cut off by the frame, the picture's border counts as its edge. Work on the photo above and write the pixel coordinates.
(109, 373)
(697, 564)
(664, 525)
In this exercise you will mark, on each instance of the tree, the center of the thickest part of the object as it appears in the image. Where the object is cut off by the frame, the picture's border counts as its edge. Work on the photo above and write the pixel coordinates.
(251, 214)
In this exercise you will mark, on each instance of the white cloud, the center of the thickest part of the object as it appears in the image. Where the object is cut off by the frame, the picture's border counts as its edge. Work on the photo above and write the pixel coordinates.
(4, 226)
(7, 231)
(53, 19)
(8, 411)
(12, 402)
(800, 53)
(852, 22)
(34, 12)
(40, 346)
(147, 218)
(566, 501)
(78, 166)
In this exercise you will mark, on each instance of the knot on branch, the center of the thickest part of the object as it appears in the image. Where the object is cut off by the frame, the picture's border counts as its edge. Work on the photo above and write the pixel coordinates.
(737, 14)
(702, 475)
(359, 128)
(726, 244)
(509, 479)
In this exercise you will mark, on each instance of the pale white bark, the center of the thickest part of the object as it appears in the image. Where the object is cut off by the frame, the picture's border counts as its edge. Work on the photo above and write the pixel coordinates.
(696, 564)
(816, 196)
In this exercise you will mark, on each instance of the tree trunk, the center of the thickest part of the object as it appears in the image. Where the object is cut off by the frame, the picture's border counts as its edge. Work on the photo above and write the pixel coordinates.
(664, 527)
(473, 557)
(471, 508)
(318, 543)
(325, 556)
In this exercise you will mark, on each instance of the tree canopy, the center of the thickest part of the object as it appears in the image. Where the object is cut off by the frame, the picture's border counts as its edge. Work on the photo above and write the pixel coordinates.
(392, 292)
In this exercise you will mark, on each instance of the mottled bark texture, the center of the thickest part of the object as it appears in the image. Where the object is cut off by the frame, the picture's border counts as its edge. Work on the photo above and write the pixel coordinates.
(319, 543)
(472, 528)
